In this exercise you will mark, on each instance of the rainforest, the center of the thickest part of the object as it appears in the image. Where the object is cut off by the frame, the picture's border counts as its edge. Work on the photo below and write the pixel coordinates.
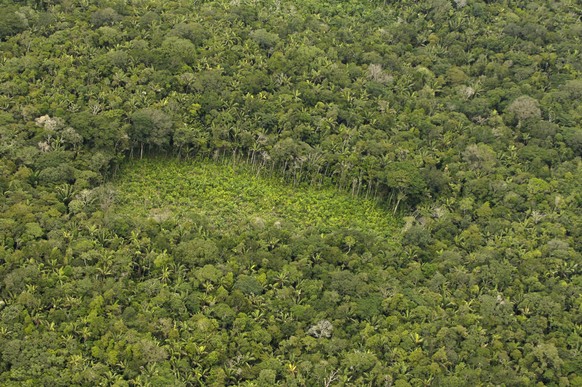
(290, 193)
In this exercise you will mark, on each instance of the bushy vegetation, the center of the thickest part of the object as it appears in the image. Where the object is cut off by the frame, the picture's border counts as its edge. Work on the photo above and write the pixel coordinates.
(255, 242)
(231, 195)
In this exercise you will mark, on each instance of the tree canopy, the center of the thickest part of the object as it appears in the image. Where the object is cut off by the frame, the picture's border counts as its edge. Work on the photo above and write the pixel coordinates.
(330, 192)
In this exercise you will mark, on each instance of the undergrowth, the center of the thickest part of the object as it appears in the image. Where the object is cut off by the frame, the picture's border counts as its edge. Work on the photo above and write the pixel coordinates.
(231, 195)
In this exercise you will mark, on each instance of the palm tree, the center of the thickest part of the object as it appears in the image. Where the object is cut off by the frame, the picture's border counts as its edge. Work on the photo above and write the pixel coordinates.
(400, 196)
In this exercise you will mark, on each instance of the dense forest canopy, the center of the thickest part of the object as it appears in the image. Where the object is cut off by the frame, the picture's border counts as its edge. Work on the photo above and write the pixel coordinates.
(462, 119)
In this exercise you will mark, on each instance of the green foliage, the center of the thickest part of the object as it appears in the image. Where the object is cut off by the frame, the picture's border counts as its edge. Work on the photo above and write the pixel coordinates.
(264, 38)
(104, 16)
(12, 21)
(283, 260)
(150, 126)
(233, 195)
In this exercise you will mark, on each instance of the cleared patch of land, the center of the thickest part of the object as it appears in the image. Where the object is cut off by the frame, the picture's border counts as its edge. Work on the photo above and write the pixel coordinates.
(232, 195)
